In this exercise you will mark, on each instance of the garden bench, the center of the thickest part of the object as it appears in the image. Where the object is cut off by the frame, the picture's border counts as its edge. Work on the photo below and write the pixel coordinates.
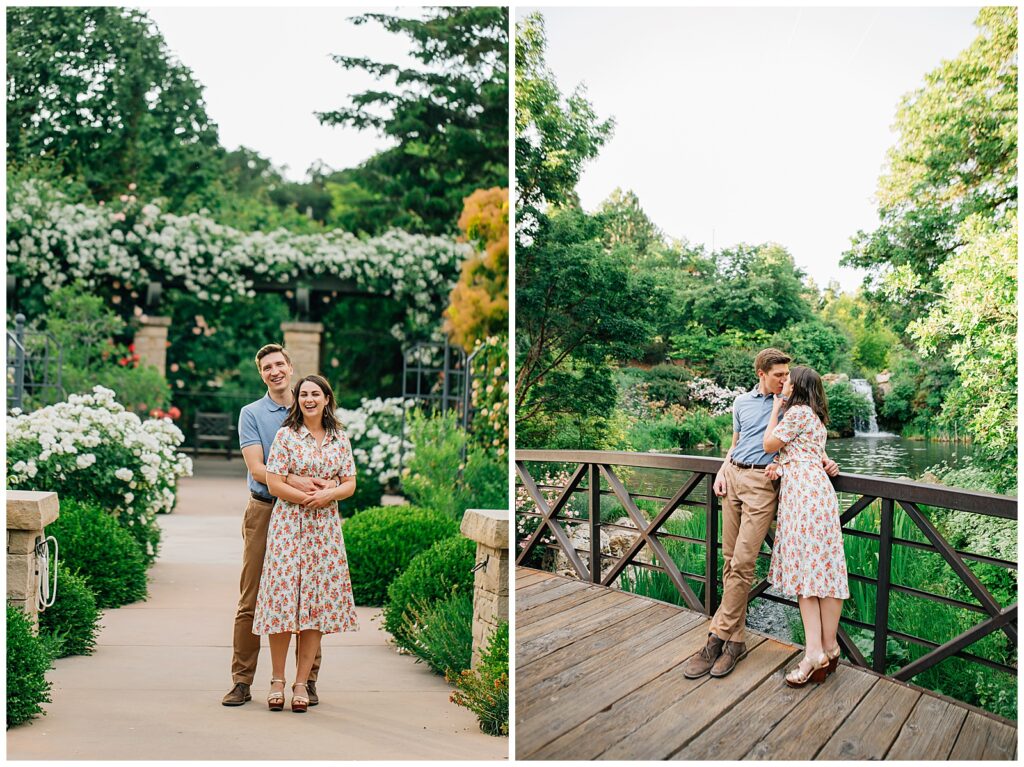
(213, 427)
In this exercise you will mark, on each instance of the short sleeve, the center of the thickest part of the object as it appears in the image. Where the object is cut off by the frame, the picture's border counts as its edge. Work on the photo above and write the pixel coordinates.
(348, 464)
(280, 459)
(736, 415)
(248, 433)
(795, 421)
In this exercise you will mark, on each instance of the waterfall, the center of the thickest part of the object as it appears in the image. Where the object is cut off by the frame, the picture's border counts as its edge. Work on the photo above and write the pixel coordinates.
(867, 427)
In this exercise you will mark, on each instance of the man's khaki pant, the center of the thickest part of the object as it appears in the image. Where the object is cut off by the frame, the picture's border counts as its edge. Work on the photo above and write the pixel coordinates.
(255, 525)
(748, 509)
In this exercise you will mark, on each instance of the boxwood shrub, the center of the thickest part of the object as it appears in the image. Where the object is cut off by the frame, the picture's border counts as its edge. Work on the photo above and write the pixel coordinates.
(94, 545)
(28, 659)
(380, 543)
(73, 618)
(437, 573)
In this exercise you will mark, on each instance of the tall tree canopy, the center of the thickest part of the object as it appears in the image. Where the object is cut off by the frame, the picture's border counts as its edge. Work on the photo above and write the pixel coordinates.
(449, 119)
(554, 136)
(95, 92)
(955, 156)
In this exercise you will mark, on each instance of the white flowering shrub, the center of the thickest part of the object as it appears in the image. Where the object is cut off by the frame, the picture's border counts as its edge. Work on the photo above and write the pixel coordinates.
(51, 242)
(717, 399)
(375, 431)
(91, 448)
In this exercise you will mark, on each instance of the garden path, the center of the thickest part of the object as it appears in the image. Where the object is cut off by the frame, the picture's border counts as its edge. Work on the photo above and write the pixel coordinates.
(152, 688)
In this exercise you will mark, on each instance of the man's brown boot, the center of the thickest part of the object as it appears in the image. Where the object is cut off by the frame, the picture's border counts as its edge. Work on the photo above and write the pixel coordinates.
(314, 699)
(238, 696)
(732, 653)
(700, 663)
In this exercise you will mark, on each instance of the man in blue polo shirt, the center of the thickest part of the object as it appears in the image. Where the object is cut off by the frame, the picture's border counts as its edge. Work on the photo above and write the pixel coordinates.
(748, 486)
(258, 423)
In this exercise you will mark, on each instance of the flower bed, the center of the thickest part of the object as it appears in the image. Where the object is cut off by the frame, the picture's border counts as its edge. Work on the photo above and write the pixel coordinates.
(90, 448)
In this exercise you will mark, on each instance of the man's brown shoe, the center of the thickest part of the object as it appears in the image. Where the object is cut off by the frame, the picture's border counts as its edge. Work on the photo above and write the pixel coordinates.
(732, 653)
(311, 693)
(238, 696)
(700, 663)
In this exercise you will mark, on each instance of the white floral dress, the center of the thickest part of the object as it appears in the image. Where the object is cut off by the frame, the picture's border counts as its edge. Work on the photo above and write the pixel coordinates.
(807, 558)
(305, 582)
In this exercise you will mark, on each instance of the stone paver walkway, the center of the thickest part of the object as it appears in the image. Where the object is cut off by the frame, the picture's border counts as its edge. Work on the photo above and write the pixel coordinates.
(152, 688)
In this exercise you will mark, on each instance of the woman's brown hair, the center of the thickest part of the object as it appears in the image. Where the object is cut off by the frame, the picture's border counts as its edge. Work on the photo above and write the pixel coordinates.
(294, 418)
(808, 390)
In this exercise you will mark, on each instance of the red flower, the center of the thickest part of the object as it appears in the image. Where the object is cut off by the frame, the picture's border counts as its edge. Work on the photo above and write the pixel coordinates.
(123, 361)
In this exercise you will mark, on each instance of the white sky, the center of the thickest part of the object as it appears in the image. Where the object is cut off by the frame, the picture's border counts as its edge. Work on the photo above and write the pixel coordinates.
(267, 70)
(751, 124)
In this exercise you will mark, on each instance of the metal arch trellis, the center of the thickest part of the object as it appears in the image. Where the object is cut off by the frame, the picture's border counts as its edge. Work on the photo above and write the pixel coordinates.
(34, 363)
(440, 375)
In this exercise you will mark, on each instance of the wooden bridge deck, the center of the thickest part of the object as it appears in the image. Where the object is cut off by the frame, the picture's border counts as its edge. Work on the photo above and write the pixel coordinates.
(597, 677)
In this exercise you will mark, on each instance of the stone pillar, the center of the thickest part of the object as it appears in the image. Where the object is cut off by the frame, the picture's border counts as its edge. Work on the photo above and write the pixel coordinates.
(489, 528)
(302, 340)
(151, 341)
(28, 514)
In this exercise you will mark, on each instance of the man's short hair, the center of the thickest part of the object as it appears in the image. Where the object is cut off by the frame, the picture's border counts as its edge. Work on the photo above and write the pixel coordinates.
(767, 358)
(270, 349)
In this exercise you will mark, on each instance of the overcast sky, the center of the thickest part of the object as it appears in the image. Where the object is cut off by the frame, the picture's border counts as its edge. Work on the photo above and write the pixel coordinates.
(267, 70)
(751, 124)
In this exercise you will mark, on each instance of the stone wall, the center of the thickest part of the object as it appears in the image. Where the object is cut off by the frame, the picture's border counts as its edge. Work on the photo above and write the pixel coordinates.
(28, 514)
(302, 340)
(151, 341)
(489, 528)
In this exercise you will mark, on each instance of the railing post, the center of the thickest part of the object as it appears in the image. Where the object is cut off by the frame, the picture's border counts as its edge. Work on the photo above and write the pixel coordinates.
(19, 363)
(711, 550)
(594, 512)
(878, 661)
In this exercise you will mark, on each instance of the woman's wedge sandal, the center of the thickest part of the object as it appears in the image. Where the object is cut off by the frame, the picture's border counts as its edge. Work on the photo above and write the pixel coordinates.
(275, 699)
(833, 659)
(817, 673)
(300, 703)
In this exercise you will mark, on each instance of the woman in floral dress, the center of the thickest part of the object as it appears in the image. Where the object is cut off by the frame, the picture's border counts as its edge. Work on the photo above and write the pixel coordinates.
(808, 560)
(305, 588)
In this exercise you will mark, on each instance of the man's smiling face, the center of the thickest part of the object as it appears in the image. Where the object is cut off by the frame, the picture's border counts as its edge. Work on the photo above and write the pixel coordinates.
(276, 372)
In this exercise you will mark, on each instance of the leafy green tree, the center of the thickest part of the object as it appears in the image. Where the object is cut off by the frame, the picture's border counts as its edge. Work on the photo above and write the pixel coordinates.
(814, 343)
(955, 156)
(555, 136)
(576, 302)
(449, 118)
(96, 91)
(626, 223)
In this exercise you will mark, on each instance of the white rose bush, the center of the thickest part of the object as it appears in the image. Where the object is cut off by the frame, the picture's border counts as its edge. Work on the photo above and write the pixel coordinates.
(52, 242)
(90, 448)
(375, 431)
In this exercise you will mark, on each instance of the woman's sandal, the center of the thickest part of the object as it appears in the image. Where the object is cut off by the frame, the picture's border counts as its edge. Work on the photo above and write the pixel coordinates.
(275, 699)
(817, 674)
(300, 703)
(833, 659)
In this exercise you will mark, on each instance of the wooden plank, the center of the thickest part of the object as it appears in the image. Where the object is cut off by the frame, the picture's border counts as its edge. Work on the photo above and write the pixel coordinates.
(576, 611)
(596, 650)
(562, 630)
(548, 591)
(930, 731)
(869, 732)
(560, 599)
(982, 739)
(526, 575)
(688, 706)
(580, 696)
(808, 726)
(742, 726)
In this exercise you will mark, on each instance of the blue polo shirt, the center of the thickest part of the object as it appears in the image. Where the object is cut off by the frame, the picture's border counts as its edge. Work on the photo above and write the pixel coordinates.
(258, 424)
(750, 415)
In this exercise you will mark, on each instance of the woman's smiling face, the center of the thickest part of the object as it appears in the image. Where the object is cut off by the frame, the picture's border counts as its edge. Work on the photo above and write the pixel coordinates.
(312, 401)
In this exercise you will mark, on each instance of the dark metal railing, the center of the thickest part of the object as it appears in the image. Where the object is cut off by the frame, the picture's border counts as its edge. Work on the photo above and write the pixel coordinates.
(34, 366)
(595, 466)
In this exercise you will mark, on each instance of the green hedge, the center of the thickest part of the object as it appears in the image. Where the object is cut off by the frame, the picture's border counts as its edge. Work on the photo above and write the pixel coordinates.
(441, 633)
(73, 618)
(28, 660)
(381, 543)
(93, 544)
(485, 691)
(443, 569)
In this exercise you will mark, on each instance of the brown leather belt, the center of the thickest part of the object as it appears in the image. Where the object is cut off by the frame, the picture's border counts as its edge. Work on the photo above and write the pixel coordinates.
(739, 465)
(257, 497)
